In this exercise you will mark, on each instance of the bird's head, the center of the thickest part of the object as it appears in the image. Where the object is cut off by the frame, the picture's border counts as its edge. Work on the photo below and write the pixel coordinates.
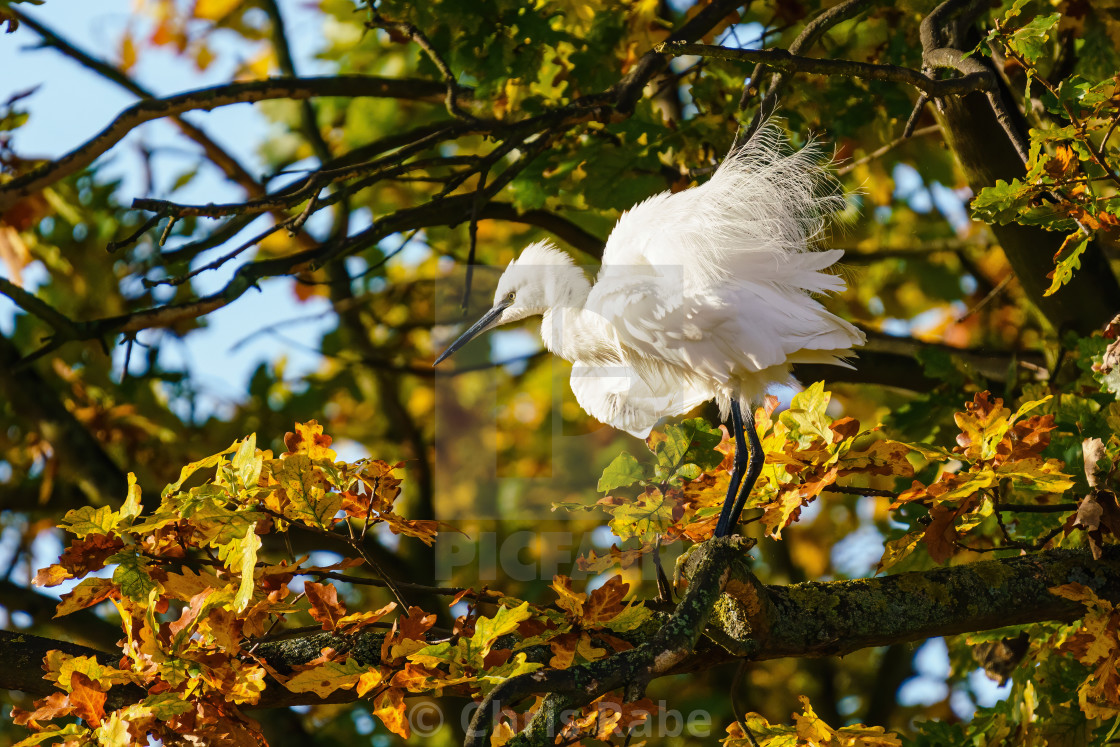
(542, 278)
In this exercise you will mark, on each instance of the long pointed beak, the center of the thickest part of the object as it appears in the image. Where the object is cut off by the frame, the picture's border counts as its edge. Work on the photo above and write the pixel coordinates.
(479, 327)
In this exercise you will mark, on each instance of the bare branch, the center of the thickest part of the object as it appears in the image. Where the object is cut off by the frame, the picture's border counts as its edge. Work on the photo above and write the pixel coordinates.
(780, 59)
(207, 99)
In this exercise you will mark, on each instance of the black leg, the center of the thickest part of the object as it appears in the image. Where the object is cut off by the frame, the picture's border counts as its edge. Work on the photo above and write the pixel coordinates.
(755, 469)
(723, 527)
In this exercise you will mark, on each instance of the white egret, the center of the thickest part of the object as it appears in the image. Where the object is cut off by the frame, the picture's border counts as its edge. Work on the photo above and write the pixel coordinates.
(706, 294)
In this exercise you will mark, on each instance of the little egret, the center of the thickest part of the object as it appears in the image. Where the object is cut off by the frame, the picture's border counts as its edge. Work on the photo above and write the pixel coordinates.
(703, 294)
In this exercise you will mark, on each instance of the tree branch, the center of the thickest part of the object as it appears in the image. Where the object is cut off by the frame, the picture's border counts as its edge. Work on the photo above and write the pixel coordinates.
(780, 59)
(207, 99)
(809, 36)
(629, 89)
(750, 620)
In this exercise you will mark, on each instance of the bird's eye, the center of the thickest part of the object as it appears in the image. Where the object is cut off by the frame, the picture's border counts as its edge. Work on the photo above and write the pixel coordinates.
(511, 295)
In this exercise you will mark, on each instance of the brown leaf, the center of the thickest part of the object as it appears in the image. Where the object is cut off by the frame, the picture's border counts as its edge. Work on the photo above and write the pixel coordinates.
(563, 650)
(89, 553)
(941, 535)
(54, 705)
(1093, 451)
(1099, 515)
(605, 603)
(1000, 658)
(325, 607)
(844, 428)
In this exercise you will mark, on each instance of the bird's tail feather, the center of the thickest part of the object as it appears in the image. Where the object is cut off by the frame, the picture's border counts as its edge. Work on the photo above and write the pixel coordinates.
(766, 199)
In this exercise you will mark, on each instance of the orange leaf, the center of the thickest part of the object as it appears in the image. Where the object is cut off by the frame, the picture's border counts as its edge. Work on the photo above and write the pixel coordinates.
(325, 607)
(309, 439)
(87, 699)
(389, 707)
(569, 601)
(52, 575)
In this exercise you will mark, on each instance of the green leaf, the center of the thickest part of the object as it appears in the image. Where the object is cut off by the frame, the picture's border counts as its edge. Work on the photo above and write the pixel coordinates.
(487, 630)
(1000, 202)
(1067, 259)
(650, 514)
(132, 506)
(1030, 39)
(184, 474)
(310, 503)
(248, 463)
(807, 416)
(131, 576)
(693, 442)
(624, 471)
(89, 520)
(613, 180)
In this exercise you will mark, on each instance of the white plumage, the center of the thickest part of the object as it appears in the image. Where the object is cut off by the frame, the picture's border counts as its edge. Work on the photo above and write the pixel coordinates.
(703, 294)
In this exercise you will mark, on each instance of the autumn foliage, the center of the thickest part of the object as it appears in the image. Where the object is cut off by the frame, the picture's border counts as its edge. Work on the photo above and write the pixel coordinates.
(197, 595)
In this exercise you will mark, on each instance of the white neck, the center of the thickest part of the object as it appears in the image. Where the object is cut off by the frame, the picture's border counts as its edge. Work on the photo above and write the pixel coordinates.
(576, 334)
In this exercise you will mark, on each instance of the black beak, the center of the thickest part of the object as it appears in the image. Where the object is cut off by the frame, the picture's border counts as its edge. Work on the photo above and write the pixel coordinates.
(479, 327)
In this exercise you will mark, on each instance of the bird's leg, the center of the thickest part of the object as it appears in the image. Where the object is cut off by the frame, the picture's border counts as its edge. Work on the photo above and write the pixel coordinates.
(723, 527)
(753, 471)
(664, 588)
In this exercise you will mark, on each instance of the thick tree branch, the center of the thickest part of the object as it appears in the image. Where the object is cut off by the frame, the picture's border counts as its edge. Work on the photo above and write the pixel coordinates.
(84, 626)
(987, 139)
(750, 620)
(562, 228)
(838, 617)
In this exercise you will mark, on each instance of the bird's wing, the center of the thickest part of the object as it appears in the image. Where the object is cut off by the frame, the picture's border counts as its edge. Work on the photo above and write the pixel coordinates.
(763, 203)
(618, 396)
(716, 281)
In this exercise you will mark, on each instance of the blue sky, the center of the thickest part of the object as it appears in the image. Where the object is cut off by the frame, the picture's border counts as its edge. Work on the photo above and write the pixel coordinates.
(72, 103)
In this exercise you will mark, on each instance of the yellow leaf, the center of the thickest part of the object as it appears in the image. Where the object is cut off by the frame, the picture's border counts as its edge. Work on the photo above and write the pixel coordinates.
(368, 681)
(128, 52)
(214, 10)
(389, 707)
(324, 679)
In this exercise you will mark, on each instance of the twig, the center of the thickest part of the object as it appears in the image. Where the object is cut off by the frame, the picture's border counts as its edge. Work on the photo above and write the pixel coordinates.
(473, 232)
(205, 99)
(987, 298)
(884, 149)
(809, 36)
(129, 240)
(390, 584)
(852, 490)
(912, 120)
(1037, 508)
(451, 99)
